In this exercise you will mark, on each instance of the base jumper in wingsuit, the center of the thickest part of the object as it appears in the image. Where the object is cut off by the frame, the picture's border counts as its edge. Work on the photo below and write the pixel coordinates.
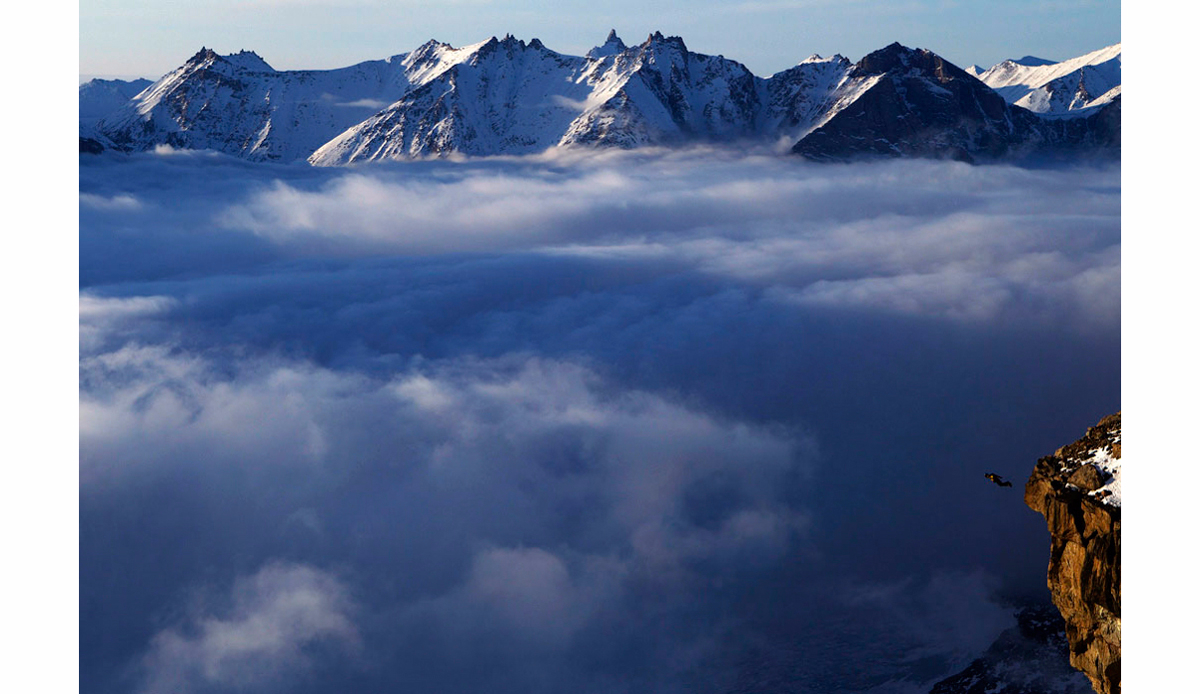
(998, 479)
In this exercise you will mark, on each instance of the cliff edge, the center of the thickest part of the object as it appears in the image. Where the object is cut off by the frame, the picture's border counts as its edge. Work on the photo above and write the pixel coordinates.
(1078, 490)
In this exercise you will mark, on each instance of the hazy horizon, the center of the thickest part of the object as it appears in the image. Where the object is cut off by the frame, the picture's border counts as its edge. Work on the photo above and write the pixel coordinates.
(85, 77)
(766, 36)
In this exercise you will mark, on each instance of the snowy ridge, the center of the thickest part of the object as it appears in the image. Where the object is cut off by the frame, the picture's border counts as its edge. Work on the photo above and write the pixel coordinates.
(500, 96)
(665, 93)
(515, 98)
(1059, 89)
(238, 104)
(800, 98)
(847, 91)
(99, 98)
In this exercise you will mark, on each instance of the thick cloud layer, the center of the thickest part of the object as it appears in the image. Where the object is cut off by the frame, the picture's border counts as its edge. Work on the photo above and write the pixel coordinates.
(667, 421)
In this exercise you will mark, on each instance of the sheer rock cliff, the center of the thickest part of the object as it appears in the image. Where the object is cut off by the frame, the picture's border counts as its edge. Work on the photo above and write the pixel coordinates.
(1078, 491)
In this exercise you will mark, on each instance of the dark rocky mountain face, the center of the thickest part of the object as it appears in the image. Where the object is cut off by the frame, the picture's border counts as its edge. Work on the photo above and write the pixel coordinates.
(920, 105)
(1098, 134)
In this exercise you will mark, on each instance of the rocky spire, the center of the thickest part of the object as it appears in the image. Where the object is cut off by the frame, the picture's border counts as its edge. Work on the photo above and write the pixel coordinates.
(611, 46)
(202, 55)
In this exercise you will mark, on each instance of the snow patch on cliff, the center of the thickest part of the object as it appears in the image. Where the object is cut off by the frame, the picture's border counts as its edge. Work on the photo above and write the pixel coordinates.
(1109, 464)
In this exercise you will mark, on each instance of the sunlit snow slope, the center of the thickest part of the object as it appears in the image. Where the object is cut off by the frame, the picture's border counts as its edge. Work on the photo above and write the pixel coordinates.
(1061, 89)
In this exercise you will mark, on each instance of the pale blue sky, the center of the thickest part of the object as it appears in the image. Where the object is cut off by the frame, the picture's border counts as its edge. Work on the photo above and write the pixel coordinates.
(150, 37)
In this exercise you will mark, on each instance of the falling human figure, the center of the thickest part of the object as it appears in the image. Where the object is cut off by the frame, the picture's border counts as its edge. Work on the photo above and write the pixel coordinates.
(998, 479)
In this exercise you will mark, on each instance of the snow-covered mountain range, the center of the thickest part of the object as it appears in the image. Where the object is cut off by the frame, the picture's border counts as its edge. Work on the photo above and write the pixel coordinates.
(506, 96)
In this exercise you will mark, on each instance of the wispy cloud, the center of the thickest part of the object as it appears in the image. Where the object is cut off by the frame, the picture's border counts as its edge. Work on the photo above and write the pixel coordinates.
(263, 637)
(374, 104)
(117, 202)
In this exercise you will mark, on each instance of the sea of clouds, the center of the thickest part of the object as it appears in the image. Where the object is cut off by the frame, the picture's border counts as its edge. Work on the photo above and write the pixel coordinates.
(591, 422)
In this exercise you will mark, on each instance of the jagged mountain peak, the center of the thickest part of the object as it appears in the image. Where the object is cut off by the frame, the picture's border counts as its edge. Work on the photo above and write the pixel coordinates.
(612, 45)
(817, 58)
(434, 57)
(493, 43)
(511, 42)
(242, 60)
(508, 47)
(657, 39)
(205, 54)
(894, 56)
(659, 51)
(428, 48)
(249, 60)
(897, 59)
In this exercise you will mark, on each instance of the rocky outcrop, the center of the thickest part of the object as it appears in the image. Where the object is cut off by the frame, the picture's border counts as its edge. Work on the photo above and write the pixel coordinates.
(1078, 490)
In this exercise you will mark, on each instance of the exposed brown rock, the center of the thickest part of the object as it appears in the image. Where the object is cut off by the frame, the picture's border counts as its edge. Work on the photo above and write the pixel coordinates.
(1088, 478)
(1084, 575)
